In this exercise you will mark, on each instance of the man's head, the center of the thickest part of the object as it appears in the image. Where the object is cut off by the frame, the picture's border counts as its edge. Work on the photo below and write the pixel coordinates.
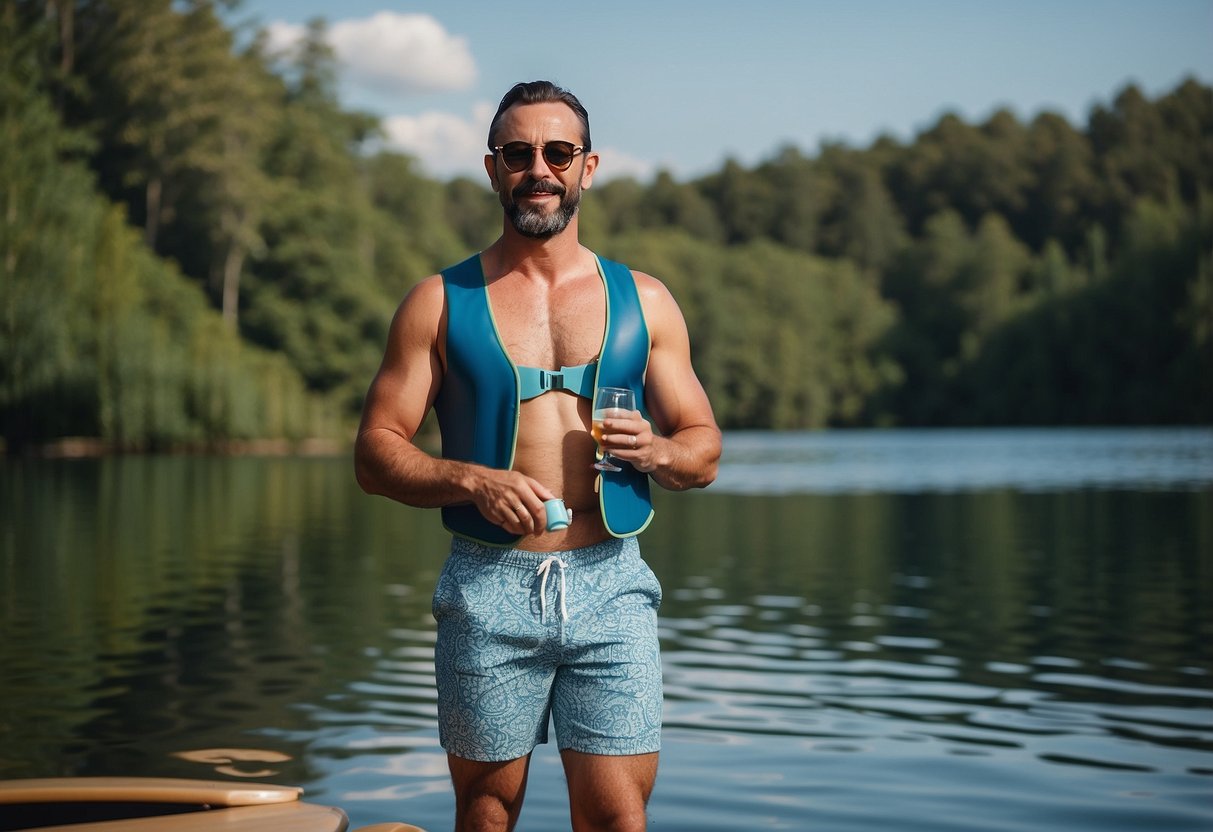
(540, 92)
(539, 157)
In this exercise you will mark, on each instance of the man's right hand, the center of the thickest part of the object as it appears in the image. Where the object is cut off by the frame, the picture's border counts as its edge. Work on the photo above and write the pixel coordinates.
(512, 500)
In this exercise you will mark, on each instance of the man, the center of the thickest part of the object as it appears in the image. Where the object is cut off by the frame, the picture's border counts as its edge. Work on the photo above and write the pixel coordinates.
(508, 347)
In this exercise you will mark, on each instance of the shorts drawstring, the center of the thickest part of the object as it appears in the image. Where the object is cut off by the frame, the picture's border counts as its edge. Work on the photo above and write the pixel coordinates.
(545, 569)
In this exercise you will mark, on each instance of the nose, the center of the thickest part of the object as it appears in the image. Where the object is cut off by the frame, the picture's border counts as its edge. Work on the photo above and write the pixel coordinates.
(539, 165)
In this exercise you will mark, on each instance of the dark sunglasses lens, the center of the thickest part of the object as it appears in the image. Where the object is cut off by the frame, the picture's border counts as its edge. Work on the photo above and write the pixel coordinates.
(516, 155)
(558, 154)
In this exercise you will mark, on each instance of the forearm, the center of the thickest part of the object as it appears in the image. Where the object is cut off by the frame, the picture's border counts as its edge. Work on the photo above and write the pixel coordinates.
(686, 459)
(388, 464)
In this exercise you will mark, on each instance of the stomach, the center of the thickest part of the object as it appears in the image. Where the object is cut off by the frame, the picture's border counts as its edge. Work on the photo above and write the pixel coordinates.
(555, 448)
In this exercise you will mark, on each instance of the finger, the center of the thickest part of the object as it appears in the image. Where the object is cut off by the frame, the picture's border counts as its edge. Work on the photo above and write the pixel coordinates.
(615, 442)
(520, 520)
(627, 441)
(528, 518)
(543, 493)
(631, 418)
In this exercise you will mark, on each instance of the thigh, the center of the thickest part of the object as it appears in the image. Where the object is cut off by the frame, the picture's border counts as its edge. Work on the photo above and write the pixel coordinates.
(493, 662)
(609, 792)
(607, 697)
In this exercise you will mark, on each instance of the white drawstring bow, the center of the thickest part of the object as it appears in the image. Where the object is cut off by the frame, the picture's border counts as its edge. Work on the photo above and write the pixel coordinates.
(545, 569)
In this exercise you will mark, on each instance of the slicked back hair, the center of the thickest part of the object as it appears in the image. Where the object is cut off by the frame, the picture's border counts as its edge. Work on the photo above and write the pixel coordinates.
(540, 92)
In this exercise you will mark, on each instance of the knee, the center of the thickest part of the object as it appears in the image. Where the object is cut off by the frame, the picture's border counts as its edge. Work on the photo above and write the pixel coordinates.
(483, 813)
(488, 796)
(634, 821)
(615, 819)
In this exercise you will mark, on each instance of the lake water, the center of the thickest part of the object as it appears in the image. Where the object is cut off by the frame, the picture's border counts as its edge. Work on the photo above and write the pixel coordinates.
(869, 630)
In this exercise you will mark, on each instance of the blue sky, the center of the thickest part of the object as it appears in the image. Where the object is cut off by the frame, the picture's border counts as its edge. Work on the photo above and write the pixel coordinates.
(684, 85)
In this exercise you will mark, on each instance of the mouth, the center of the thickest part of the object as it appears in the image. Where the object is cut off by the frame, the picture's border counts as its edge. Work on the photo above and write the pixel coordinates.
(538, 191)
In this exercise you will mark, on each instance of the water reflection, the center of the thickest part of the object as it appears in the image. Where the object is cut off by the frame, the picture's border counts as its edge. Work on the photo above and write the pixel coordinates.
(928, 659)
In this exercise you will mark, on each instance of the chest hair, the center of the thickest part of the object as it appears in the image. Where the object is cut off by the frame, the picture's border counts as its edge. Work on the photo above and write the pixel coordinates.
(550, 327)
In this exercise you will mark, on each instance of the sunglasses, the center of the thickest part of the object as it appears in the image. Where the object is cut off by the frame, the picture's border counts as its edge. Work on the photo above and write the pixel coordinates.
(518, 155)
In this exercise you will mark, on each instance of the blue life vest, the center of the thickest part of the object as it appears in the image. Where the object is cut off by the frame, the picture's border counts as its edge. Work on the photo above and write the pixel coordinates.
(479, 401)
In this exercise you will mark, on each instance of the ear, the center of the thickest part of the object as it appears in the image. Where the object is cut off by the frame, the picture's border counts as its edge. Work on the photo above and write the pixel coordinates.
(587, 172)
(490, 167)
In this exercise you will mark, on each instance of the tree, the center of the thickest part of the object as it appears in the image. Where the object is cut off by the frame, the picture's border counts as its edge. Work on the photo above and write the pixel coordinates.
(411, 236)
(1129, 141)
(973, 171)
(745, 203)
(801, 195)
(1063, 185)
(861, 222)
(235, 184)
(150, 67)
(42, 389)
(668, 204)
(315, 295)
(472, 212)
(98, 337)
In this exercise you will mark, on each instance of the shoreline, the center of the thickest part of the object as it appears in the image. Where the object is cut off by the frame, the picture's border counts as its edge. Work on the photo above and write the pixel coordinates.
(83, 447)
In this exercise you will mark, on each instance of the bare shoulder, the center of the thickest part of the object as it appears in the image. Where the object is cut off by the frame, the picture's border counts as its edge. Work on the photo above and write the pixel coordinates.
(427, 294)
(654, 294)
(421, 308)
(649, 286)
(660, 308)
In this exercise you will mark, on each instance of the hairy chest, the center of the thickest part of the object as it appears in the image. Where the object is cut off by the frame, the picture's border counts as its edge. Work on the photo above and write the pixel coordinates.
(550, 327)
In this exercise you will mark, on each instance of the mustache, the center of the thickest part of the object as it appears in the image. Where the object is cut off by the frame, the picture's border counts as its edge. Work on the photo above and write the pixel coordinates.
(534, 187)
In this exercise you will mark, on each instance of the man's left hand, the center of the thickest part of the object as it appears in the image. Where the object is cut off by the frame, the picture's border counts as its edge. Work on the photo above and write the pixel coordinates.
(631, 439)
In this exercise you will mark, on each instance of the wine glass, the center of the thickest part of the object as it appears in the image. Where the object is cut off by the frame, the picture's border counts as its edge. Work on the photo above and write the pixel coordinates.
(609, 403)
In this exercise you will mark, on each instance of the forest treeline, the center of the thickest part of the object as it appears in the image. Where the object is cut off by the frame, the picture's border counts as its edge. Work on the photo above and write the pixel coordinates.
(199, 244)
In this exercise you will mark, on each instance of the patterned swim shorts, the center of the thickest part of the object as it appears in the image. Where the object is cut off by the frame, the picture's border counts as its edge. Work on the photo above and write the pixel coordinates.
(527, 635)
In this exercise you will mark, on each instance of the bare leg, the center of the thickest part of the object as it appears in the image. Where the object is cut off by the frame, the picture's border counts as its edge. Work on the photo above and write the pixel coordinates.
(488, 796)
(609, 793)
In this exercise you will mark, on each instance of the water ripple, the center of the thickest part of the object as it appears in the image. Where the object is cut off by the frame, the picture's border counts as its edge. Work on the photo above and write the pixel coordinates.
(791, 679)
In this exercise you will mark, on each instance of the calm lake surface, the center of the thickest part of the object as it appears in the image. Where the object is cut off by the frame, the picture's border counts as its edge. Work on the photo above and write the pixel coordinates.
(869, 630)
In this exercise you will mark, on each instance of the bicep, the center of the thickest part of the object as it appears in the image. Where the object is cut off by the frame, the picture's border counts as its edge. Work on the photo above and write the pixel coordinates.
(673, 393)
(410, 374)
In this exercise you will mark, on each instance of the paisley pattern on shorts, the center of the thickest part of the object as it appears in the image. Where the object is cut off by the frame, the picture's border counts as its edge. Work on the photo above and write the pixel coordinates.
(503, 668)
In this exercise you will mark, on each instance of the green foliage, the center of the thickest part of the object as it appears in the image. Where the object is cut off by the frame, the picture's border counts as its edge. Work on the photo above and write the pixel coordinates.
(472, 212)
(98, 336)
(986, 273)
(42, 264)
(781, 339)
(1098, 356)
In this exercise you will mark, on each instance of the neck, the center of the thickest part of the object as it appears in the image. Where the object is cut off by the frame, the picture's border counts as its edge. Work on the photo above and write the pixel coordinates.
(542, 258)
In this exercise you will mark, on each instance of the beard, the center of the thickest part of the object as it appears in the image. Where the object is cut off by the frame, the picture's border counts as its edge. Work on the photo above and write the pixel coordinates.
(534, 222)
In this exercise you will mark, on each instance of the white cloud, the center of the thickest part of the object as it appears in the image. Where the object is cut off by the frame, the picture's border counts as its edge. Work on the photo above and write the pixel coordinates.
(398, 53)
(445, 144)
(282, 36)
